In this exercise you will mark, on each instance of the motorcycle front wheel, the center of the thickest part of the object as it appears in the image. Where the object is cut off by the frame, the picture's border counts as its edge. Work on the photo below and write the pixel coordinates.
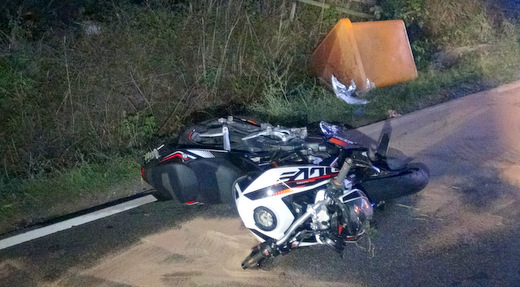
(392, 185)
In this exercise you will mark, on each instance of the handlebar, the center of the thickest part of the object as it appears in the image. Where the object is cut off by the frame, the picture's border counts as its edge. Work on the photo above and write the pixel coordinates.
(283, 134)
(229, 126)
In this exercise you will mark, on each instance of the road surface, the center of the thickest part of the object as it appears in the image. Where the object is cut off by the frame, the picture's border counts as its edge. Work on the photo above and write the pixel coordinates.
(462, 230)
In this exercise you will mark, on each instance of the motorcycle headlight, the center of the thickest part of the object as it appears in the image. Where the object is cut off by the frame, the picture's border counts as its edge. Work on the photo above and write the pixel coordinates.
(357, 214)
(264, 218)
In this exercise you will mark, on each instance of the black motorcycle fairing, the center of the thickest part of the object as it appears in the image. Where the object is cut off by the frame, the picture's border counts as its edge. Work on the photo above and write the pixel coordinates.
(173, 180)
(216, 174)
(203, 180)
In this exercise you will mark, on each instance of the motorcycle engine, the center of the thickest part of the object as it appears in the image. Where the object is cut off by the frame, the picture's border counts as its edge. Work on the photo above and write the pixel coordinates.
(321, 219)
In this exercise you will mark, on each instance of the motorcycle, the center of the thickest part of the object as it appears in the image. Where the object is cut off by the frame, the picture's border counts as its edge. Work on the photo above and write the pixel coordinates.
(203, 166)
(290, 189)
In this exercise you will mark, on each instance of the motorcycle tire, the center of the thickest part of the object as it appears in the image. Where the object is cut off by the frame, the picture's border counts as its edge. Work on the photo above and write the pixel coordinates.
(406, 182)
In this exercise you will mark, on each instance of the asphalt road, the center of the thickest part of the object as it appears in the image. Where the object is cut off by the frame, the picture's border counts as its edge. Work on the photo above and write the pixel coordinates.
(462, 230)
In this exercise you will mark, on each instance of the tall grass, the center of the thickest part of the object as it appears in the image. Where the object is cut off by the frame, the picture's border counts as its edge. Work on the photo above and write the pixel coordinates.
(148, 71)
(68, 95)
(102, 80)
(95, 87)
(155, 66)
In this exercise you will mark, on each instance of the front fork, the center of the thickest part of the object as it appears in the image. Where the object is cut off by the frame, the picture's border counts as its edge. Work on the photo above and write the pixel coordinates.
(271, 248)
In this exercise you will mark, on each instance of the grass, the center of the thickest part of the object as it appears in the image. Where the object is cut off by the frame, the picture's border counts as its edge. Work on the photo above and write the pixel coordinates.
(471, 49)
(309, 102)
(73, 104)
(30, 201)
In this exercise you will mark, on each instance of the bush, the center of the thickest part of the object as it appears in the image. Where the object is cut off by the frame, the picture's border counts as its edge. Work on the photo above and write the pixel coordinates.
(98, 78)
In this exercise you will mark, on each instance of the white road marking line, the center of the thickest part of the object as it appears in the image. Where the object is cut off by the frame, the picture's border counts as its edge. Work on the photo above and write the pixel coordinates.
(69, 223)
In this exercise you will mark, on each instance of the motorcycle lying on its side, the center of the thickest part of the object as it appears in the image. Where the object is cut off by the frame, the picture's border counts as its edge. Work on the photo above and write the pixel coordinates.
(290, 189)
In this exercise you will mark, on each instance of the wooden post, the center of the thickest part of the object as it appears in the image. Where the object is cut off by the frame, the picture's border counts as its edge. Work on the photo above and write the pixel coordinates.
(293, 11)
(340, 9)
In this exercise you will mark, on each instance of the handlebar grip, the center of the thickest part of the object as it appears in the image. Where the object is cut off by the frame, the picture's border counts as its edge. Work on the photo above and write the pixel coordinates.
(345, 168)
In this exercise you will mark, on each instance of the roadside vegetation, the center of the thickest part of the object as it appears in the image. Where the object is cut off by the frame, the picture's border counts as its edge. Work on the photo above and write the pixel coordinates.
(87, 86)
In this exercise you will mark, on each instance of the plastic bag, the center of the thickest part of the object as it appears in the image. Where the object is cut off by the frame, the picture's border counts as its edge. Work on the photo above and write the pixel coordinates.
(346, 93)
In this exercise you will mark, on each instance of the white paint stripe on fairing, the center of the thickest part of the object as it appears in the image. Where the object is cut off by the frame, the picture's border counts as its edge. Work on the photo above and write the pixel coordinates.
(37, 233)
(202, 153)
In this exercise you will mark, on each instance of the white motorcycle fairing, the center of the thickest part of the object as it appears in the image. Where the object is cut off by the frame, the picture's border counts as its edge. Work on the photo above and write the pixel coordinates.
(264, 196)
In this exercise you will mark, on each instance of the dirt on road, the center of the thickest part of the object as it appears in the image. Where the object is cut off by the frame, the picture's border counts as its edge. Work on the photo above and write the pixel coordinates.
(202, 252)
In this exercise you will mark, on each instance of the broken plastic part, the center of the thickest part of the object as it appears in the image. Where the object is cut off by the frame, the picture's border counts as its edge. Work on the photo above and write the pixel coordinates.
(346, 93)
(329, 130)
(369, 85)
